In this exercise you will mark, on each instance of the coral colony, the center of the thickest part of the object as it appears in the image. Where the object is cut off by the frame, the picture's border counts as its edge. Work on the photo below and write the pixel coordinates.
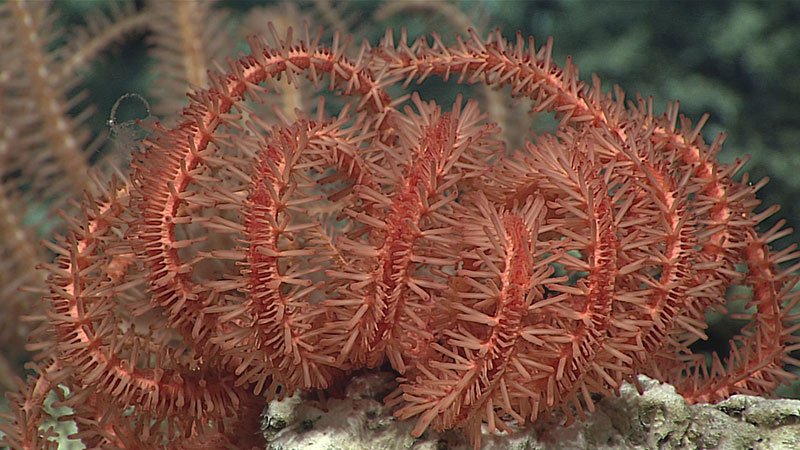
(243, 260)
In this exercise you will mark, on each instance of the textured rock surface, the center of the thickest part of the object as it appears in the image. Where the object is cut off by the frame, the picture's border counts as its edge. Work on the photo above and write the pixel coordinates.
(658, 419)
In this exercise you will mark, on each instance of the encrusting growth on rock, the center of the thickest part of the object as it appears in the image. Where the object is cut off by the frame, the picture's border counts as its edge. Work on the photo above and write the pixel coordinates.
(244, 257)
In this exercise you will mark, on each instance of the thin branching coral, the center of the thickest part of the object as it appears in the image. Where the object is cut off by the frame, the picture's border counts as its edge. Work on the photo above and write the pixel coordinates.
(244, 260)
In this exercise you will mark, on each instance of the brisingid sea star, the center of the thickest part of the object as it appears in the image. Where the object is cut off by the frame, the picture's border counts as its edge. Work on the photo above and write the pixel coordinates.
(246, 256)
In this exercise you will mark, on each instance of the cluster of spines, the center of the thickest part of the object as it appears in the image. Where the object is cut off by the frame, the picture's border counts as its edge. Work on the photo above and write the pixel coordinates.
(457, 291)
(106, 365)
